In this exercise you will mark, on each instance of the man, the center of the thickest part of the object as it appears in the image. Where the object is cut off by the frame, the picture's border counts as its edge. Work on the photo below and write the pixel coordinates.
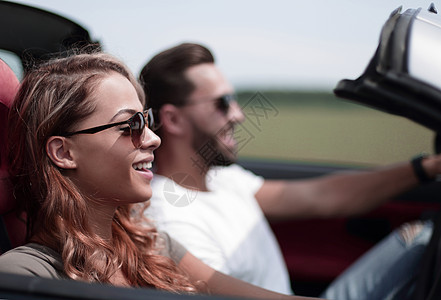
(218, 212)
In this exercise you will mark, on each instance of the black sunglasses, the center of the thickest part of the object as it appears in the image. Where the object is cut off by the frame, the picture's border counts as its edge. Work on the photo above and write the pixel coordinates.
(137, 124)
(222, 103)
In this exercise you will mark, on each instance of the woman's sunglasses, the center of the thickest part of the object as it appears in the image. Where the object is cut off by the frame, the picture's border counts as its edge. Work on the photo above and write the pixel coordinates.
(222, 103)
(137, 124)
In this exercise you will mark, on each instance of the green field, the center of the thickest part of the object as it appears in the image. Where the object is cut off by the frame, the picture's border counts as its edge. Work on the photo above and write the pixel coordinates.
(318, 127)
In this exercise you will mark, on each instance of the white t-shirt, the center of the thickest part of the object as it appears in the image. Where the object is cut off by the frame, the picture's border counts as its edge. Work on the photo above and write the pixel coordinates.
(224, 227)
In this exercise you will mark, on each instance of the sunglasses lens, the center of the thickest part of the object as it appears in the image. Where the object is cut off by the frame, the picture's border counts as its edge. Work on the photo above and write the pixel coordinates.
(224, 103)
(137, 126)
(223, 106)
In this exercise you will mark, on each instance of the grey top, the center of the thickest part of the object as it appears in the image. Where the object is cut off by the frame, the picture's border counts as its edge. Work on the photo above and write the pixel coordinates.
(33, 260)
(41, 261)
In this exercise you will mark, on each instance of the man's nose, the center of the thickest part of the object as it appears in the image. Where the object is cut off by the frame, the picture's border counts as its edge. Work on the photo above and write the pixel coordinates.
(235, 113)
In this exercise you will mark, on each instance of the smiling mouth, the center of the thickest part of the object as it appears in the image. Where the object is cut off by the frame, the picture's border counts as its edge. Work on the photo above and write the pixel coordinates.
(142, 166)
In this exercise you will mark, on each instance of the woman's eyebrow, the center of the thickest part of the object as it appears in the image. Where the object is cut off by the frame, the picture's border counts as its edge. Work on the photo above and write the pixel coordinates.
(124, 111)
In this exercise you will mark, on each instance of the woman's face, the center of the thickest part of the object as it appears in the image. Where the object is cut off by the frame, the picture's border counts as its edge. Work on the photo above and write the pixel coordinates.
(109, 169)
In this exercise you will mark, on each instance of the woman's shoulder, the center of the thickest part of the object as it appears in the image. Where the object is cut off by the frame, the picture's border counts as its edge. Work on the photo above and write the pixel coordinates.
(32, 260)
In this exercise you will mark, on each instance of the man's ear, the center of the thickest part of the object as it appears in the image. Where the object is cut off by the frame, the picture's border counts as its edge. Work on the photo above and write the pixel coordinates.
(171, 119)
(58, 150)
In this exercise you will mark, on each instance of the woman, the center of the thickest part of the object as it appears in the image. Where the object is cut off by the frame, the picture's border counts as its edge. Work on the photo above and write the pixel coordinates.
(80, 156)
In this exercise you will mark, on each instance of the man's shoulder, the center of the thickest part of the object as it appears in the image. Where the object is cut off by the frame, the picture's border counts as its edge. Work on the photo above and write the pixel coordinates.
(170, 201)
(233, 177)
(228, 172)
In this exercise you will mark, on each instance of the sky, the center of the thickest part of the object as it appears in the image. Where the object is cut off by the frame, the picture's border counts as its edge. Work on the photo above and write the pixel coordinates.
(288, 44)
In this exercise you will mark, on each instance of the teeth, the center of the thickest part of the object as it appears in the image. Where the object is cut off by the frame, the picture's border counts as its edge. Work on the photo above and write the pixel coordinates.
(142, 166)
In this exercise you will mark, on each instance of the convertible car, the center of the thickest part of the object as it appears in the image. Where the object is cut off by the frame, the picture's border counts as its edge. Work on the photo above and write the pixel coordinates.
(400, 80)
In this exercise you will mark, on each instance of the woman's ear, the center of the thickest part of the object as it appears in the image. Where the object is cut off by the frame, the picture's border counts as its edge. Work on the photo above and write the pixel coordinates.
(171, 119)
(58, 150)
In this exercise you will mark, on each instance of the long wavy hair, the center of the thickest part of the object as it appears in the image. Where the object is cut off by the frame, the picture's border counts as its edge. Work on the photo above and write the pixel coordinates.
(51, 99)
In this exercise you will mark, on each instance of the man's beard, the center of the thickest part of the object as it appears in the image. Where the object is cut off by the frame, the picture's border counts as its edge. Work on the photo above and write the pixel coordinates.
(210, 150)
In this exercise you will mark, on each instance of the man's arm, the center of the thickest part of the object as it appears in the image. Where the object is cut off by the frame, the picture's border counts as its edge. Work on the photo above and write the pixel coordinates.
(341, 194)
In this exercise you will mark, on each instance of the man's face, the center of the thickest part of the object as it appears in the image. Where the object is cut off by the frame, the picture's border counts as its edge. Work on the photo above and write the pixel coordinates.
(212, 125)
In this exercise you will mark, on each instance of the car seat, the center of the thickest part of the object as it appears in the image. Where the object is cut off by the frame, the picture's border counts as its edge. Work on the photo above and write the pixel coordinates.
(12, 225)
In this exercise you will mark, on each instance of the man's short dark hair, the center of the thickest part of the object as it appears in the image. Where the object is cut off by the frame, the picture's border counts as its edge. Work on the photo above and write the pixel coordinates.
(163, 76)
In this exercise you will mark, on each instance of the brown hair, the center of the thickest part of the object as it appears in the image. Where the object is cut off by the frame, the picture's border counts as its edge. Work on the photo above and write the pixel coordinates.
(163, 77)
(51, 99)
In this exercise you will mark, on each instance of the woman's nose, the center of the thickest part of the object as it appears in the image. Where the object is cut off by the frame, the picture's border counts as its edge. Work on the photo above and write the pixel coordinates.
(150, 140)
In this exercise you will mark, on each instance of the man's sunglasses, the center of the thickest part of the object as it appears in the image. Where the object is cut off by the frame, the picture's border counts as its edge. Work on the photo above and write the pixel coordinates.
(222, 103)
(137, 124)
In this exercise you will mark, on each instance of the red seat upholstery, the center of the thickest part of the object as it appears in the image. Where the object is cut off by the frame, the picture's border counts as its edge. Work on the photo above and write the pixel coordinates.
(15, 226)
